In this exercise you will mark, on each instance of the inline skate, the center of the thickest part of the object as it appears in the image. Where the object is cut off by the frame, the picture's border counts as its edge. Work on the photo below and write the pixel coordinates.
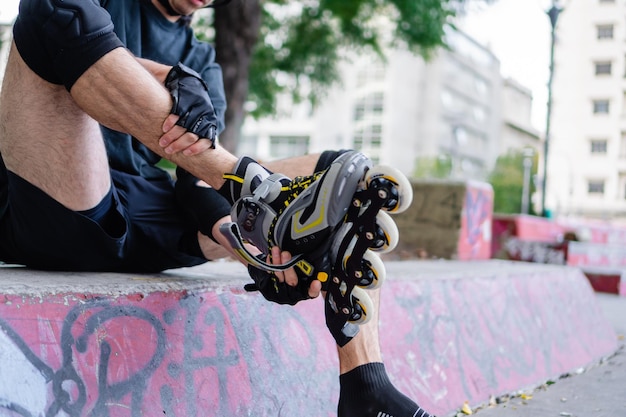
(332, 223)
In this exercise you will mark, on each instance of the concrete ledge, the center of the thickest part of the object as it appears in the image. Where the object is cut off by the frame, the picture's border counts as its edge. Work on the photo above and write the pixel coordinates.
(190, 342)
(448, 220)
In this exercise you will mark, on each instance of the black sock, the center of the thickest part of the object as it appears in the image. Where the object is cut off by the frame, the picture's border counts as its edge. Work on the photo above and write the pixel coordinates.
(235, 182)
(366, 391)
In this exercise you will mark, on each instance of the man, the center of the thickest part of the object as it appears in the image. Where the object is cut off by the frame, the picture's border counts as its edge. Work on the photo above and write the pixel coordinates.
(77, 193)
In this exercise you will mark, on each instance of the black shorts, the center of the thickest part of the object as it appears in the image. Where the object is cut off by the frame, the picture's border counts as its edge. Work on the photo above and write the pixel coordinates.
(37, 231)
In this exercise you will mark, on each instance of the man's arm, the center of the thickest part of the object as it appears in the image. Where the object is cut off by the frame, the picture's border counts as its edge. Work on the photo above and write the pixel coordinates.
(159, 71)
(173, 142)
(120, 93)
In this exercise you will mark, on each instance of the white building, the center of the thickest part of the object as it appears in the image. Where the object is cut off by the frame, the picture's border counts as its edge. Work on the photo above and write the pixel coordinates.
(587, 154)
(454, 106)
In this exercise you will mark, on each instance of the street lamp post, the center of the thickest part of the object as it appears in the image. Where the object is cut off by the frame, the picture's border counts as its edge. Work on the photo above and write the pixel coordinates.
(553, 14)
(527, 163)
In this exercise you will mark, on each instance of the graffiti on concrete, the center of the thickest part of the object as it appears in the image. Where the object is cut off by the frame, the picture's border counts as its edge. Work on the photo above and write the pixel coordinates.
(451, 221)
(475, 240)
(490, 335)
(112, 358)
(596, 254)
(227, 353)
(531, 251)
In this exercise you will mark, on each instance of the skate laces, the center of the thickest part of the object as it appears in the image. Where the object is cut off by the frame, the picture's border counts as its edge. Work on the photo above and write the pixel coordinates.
(293, 190)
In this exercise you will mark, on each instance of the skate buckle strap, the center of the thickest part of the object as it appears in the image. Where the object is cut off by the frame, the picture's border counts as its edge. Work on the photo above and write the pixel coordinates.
(264, 189)
(252, 204)
(232, 233)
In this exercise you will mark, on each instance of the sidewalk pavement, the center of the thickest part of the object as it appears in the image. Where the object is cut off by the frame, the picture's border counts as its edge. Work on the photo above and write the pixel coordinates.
(599, 390)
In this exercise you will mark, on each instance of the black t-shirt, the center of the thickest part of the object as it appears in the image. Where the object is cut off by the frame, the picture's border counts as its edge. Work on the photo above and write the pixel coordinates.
(148, 34)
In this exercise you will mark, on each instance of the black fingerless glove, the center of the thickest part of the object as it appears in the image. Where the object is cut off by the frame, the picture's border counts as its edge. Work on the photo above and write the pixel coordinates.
(273, 290)
(192, 102)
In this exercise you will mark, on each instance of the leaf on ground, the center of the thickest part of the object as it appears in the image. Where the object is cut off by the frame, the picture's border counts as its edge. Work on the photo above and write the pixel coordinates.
(466, 409)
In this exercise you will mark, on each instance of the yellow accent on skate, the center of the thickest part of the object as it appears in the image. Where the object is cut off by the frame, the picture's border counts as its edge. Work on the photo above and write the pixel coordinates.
(317, 222)
(322, 276)
(305, 267)
(244, 255)
(233, 177)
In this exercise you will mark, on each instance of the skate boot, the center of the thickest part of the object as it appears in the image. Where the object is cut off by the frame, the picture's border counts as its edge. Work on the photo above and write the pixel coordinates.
(300, 215)
(366, 231)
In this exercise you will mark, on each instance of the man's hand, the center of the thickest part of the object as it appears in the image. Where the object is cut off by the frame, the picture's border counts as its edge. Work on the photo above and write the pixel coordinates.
(176, 139)
(283, 287)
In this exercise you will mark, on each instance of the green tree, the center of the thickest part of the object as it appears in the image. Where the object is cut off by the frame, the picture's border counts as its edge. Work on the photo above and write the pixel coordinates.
(440, 167)
(258, 42)
(507, 179)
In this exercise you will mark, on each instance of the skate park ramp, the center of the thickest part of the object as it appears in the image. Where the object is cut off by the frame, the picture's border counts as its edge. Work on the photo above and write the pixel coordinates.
(191, 342)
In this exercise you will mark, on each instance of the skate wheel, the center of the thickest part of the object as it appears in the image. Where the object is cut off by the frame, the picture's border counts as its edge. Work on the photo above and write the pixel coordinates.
(373, 273)
(403, 190)
(387, 237)
(363, 306)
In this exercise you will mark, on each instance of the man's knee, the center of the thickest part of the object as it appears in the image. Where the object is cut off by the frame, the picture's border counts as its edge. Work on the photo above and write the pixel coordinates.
(61, 39)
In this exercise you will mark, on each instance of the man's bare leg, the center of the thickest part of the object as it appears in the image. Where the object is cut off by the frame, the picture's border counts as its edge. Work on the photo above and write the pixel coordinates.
(51, 138)
(292, 167)
(365, 388)
(49, 141)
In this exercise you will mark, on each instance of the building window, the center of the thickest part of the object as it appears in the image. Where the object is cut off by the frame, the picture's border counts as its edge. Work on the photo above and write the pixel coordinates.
(603, 68)
(598, 146)
(479, 113)
(595, 187)
(371, 73)
(605, 31)
(288, 146)
(368, 139)
(481, 86)
(369, 107)
(601, 106)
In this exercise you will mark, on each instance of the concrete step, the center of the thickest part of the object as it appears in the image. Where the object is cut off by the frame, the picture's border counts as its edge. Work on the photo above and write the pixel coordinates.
(191, 342)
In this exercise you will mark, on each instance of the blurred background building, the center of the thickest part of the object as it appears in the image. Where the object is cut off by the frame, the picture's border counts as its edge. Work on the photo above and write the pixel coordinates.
(456, 106)
(587, 157)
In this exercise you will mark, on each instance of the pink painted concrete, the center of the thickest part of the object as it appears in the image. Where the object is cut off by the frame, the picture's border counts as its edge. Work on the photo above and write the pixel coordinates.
(524, 228)
(596, 231)
(447, 220)
(187, 344)
(585, 254)
(476, 220)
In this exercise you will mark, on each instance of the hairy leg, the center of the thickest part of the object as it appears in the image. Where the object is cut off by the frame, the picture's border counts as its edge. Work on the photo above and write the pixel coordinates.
(49, 141)
(292, 167)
